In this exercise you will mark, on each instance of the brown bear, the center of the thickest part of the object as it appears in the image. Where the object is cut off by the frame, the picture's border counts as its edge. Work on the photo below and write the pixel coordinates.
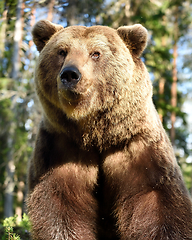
(103, 167)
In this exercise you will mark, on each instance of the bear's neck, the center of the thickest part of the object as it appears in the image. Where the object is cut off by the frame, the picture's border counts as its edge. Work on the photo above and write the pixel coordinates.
(101, 131)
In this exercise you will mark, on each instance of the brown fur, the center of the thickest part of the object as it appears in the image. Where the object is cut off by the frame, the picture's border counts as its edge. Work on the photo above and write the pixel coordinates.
(103, 167)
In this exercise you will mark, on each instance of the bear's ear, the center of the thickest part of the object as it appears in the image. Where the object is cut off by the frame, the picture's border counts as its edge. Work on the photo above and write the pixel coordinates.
(135, 37)
(42, 32)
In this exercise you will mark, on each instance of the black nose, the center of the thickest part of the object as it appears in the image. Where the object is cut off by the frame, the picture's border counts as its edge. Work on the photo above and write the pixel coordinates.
(70, 76)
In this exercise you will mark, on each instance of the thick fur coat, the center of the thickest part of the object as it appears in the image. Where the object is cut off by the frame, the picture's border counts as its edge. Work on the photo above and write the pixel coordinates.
(103, 167)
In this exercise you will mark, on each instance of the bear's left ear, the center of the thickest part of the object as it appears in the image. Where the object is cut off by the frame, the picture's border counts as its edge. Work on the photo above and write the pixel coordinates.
(135, 37)
(42, 32)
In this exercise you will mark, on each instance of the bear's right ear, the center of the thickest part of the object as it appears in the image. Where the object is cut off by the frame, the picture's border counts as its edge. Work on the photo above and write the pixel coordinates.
(42, 32)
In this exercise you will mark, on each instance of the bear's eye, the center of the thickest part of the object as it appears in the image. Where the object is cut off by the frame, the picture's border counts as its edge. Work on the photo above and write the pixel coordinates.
(95, 55)
(63, 53)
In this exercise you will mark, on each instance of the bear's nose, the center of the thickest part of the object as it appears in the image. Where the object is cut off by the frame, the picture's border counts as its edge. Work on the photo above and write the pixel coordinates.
(70, 76)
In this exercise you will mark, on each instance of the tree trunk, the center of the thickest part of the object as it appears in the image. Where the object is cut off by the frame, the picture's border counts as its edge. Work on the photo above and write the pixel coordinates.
(71, 13)
(20, 196)
(161, 97)
(32, 23)
(17, 42)
(174, 94)
(174, 83)
(10, 165)
(9, 176)
(50, 12)
(3, 36)
(162, 79)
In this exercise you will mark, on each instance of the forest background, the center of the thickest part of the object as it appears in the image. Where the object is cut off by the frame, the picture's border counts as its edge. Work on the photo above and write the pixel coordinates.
(168, 58)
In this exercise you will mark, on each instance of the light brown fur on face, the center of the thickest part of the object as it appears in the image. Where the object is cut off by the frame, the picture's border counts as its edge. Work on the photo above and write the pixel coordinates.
(105, 87)
(103, 167)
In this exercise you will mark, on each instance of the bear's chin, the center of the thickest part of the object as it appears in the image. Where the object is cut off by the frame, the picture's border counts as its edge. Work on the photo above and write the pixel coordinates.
(75, 105)
(75, 109)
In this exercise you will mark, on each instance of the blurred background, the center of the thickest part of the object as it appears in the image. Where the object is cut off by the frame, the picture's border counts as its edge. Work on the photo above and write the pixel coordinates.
(168, 58)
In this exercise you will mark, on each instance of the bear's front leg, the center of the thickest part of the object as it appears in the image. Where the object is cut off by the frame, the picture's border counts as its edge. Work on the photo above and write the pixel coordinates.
(62, 205)
(151, 201)
(155, 215)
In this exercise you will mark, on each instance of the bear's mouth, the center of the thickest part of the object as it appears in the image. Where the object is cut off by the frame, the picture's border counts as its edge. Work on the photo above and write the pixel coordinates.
(71, 96)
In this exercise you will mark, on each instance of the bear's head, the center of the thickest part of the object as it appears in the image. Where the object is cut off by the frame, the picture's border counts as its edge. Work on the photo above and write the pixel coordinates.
(88, 72)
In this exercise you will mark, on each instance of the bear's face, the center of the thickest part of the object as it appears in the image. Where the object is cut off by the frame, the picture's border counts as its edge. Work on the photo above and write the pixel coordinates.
(84, 70)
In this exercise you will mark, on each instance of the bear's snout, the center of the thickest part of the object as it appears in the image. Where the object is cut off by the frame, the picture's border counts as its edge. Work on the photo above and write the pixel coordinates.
(70, 76)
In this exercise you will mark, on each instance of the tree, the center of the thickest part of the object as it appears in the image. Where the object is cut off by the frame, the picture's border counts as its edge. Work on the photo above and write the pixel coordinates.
(10, 165)
(11, 96)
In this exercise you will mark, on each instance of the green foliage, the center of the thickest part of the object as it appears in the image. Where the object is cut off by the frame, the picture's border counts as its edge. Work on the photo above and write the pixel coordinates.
(187, 172)
(25, 223)
(10, 235)
(10, 222)
(11, 228)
